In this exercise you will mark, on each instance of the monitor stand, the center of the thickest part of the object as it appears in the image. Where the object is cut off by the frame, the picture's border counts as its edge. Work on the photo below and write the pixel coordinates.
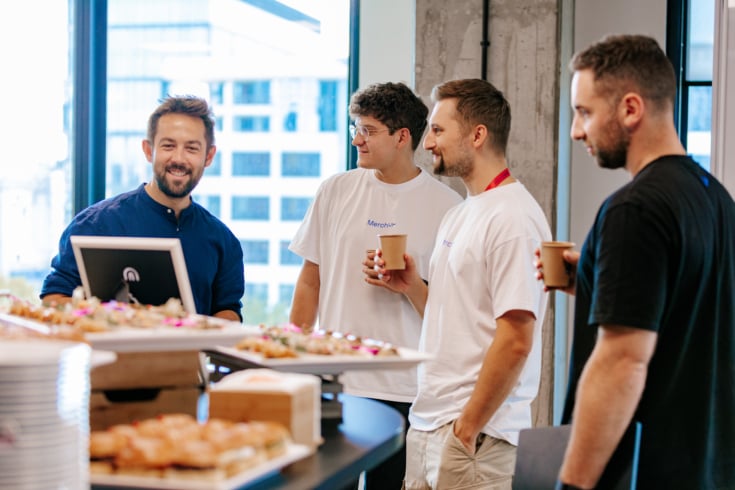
(123, 294)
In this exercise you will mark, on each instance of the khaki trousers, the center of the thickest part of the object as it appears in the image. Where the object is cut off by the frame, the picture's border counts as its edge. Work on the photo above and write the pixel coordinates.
(437, 460)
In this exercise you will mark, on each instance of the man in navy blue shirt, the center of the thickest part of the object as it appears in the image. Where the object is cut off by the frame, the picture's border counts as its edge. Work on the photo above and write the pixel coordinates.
(179, 145)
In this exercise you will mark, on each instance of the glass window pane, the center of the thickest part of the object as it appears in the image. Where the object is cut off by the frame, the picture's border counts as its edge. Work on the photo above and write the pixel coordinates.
(251, 123)
(35, 176)
(276, 77)
(287, 256)
(256, 292)
(701, 32)
(328, 105)
(294, 208)
(213, 204)
(285, 293)
(215, 168)
(216, 92)
(699, 125)
(255, 251)
(250, 208)
(252, 164)
(254, 92)
(301, 164)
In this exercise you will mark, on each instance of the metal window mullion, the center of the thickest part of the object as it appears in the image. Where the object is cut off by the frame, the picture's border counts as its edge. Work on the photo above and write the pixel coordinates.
(89, 102)
(353, 75)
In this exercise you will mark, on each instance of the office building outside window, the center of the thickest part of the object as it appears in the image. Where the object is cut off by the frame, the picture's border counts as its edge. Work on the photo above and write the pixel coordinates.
(35, 176)
(275, 74)
(690, 45)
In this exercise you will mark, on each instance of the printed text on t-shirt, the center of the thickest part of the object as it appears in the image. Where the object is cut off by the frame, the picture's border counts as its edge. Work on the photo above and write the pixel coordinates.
(376, 224)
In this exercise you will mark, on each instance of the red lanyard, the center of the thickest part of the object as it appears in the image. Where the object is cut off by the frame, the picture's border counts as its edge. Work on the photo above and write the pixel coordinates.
(498, 179)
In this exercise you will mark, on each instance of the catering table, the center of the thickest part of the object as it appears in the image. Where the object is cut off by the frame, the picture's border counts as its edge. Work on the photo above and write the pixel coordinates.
(368, 433)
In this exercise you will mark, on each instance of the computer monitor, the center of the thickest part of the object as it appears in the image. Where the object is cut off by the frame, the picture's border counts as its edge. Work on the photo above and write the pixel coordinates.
(132, 269)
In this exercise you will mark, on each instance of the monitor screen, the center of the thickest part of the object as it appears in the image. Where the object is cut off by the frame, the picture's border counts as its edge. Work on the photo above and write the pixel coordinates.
(130, 269)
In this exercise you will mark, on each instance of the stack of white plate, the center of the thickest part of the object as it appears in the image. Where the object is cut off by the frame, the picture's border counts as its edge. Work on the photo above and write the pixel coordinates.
(44, 415)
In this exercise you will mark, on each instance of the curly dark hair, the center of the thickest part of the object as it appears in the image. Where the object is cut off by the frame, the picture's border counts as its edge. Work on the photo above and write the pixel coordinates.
(629, 63)
(393, 104)
(479, 102)
(189, 105)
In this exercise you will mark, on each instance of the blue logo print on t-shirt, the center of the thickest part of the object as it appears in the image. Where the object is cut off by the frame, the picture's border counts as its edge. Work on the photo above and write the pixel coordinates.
(377, 224)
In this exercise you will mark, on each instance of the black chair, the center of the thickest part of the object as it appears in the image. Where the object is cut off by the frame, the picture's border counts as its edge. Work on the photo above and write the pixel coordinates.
(541, 451)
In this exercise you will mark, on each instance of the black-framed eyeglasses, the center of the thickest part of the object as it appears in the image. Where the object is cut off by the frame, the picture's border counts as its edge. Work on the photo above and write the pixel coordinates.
(365, 131)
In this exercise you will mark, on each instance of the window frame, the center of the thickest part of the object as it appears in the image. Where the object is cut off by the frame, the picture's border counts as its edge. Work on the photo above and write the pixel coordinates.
(89, 110)
(677, 44)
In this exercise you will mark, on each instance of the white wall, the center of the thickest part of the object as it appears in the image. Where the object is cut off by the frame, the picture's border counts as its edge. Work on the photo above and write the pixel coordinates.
(593, 19)
(387, 41)
(723, 101)
(582, 185)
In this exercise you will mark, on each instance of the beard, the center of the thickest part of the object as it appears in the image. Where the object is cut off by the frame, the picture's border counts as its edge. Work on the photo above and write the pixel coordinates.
(612, 153)
(177, 191)
(461, 167)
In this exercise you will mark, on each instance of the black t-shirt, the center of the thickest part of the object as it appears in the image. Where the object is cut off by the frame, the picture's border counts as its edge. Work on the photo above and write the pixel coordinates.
(661, 257)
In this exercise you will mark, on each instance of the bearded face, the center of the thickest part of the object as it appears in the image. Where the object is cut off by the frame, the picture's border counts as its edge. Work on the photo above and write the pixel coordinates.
(176, 180)
(179, 154)
(596, 123)
(456, 162)
(447, 140)
(611, 147)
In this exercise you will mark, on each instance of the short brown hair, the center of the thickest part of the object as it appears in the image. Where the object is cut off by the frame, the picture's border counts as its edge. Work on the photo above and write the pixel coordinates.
(188, 105)
(625, 63)
(393, 104)
(479, 102)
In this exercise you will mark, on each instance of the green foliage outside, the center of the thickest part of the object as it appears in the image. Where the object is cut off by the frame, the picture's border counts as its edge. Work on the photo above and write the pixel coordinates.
(20, 288)
(257, 311)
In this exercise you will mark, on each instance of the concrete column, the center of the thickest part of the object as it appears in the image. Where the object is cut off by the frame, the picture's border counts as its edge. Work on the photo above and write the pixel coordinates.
(523, 62)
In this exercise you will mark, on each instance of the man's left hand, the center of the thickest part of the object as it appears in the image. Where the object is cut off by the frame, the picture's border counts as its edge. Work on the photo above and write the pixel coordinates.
(466, 435)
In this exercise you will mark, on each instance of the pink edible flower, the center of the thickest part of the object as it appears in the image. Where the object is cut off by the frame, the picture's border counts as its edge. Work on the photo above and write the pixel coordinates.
(83, 311)
(115, 305)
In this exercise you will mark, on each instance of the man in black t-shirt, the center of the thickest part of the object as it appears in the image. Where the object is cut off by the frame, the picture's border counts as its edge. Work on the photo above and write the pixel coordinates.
(654, 330)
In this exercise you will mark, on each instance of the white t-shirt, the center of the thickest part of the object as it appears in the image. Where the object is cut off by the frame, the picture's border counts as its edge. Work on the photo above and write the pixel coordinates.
(349, 211)
(481, 267)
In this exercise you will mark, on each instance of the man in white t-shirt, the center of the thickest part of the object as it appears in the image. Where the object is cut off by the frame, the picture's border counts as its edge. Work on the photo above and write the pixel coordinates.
(482, 308)
(388, 193)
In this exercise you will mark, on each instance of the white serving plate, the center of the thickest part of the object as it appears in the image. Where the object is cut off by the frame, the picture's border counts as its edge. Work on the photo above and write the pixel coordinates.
(39, 355)
(169, 338)
(319, 364)
(294, 452)
(102, 357)
(126, 339)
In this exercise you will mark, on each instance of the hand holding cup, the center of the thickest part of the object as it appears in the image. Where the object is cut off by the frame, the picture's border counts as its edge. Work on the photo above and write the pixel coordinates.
(557, 271)
(393, 249)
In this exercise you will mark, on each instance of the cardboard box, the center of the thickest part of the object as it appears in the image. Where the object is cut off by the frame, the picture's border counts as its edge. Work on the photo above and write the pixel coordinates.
(292, 399)
(112, 407)
(140, 385)
(167, 369)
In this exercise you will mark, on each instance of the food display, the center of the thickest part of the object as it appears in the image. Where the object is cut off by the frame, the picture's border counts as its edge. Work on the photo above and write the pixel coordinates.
(93, 315)
(15, 328)
(289, 348)
(289, 341)
(119, 327)
(176, 446)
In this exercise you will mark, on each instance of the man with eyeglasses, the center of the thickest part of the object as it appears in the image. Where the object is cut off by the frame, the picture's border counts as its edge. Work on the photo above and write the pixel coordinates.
(388, 193)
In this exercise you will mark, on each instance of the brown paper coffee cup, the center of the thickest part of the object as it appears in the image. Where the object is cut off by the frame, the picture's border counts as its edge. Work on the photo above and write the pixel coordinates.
(557, 272)
(393, 247)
